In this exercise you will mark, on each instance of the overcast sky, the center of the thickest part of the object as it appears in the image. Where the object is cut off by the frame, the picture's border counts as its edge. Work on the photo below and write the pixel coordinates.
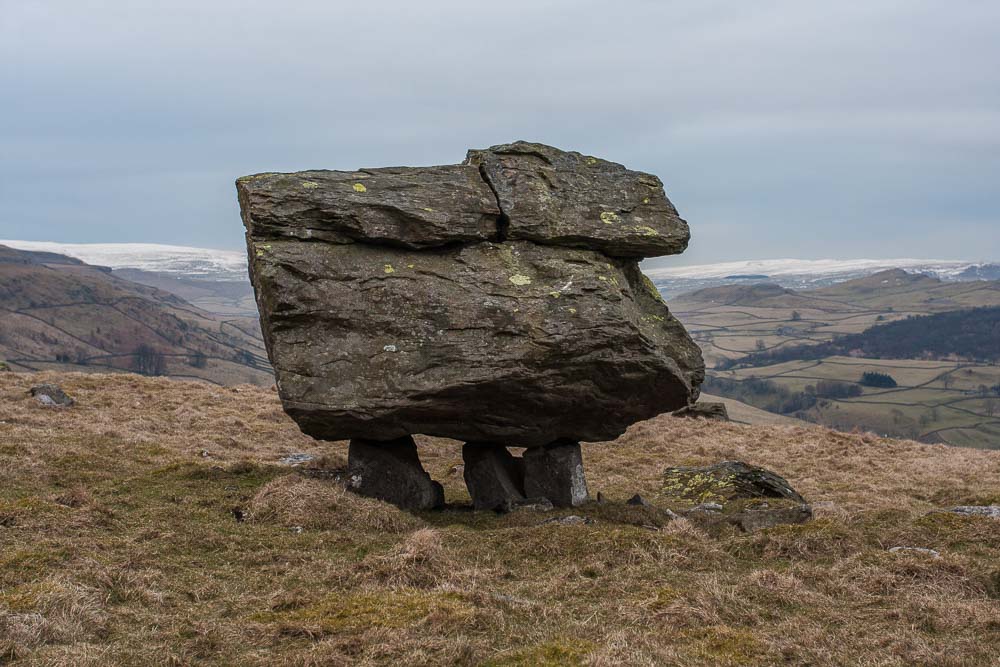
(780, 129)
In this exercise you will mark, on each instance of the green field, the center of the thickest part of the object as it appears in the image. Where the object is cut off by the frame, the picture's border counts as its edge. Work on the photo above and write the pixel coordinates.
(937, 401)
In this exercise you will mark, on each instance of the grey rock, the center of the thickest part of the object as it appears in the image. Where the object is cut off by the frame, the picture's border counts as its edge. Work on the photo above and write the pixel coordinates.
(915, 550)
(51, 395)
(733, 493)
(707, 507)
(571, 520)
(296, 459)
(407, 207)
(494, 477)
(556, 472)
(988, 511)
(391, 471)
(637, 500)
(726, 481)
(556, 197)
(529, 505)
(704, 410)
(515, 343)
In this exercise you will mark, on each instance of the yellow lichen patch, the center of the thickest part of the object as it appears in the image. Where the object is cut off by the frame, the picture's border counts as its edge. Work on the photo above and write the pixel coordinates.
(359, 187)
(388, 269)
(572, 311)
(555, 294)
(520, 279)
(651, 288)
(428, 209)
(409, 266)
(259, 250)
(645, 200)
(591, 160)
(646, 231)
(609, 217)
(310, 185)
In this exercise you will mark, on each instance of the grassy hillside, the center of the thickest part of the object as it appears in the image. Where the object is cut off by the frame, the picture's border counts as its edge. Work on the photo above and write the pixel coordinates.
(121, 546)
(59, 313)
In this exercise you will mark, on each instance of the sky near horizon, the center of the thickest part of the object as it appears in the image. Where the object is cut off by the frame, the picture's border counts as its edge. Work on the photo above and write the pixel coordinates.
(779, 128)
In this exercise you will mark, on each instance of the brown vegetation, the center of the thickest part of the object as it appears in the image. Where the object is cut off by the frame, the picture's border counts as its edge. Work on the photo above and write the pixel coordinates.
(121, 545)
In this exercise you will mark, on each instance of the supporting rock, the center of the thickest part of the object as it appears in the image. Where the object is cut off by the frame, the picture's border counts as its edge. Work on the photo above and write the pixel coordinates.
(494, 477)
(390, 470)
(556, 472)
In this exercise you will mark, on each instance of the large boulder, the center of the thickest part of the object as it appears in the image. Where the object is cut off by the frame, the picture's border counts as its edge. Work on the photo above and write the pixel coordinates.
(413, 300)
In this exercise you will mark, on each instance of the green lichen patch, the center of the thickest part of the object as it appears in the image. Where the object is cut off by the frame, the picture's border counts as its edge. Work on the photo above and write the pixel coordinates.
(310, 185)
(643, 230)
(520, 279)
(609, 217)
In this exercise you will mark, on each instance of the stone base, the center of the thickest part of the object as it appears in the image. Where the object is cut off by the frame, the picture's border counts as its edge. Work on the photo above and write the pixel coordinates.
(556, 472)
(390, 470)
(495, 478)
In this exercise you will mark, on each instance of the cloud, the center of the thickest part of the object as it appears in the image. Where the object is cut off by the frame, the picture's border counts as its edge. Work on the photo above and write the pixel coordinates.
(780, 128)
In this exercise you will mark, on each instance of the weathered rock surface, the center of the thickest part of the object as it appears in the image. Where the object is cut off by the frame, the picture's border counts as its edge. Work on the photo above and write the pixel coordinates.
(556, 472)
(737, 494)
(564, 198)
(391, 471)
(495, 478)
(726, 481)
(51, 395)
(988, 511)
(514, 343)
(408, 207)
(704, 410)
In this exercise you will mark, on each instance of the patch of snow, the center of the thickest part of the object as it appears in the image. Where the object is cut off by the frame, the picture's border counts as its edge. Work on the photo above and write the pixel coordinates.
(773, 268)
(203, 263)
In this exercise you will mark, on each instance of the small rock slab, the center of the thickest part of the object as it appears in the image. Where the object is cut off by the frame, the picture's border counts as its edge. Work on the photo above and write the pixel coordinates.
(988, 511)
(495, 478)
(51, 395)
(391, 471)
(556, 472)
(556, 197)
(712, 411)
(921, 551)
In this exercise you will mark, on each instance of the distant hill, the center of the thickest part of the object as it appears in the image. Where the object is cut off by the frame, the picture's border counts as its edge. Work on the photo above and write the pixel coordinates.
(60, 313)
(970, 335)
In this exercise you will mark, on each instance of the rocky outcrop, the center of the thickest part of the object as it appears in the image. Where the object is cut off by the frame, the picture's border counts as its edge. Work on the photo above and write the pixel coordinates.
(52, 396)
(736, 494)
(497, 301)
(704, 410)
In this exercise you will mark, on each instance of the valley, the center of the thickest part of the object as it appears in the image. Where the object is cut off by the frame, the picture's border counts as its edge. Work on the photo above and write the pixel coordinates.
(59, 313)
(949, 400)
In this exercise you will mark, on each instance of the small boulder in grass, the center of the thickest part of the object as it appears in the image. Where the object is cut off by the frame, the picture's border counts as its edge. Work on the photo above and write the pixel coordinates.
(734, 493)
(51, 395)
(704, 410)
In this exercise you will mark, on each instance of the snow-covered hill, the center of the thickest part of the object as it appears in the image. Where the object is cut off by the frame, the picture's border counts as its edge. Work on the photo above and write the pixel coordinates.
(182, 261)
(806, 273)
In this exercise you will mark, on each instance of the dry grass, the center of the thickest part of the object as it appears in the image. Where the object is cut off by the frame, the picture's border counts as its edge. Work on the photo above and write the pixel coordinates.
(118, 545)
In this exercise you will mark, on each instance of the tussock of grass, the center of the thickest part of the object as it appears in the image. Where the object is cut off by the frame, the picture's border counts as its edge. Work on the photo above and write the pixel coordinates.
(292, 500)
(121, 545)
